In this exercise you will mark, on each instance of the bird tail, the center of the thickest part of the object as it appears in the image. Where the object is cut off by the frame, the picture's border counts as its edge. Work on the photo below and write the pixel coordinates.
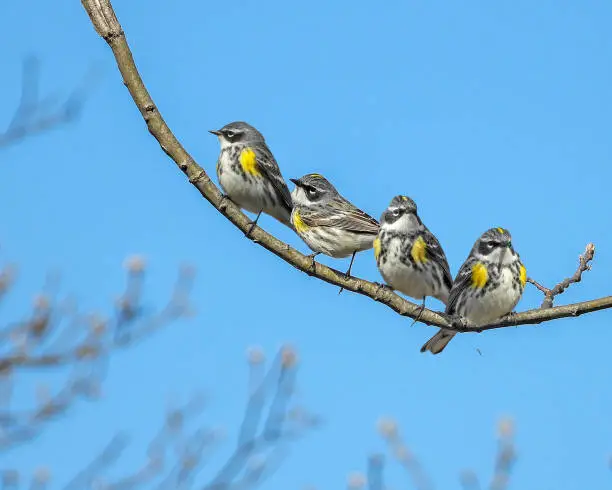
(438, 342)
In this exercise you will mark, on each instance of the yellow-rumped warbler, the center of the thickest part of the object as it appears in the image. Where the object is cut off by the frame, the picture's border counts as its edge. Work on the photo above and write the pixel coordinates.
(409, 257)
(327, 222)
(249, 174)
(488, 285)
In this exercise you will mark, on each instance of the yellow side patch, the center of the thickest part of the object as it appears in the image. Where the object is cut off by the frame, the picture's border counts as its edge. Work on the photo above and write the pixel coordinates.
(377, 248)
(419, 251)
(501, 230)
(298, 223)
(248, 161)
(523, 275)
(480, 276)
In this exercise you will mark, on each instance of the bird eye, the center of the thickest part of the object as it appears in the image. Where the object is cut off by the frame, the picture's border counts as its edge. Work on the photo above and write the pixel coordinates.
(395, 212)
(490, 245)
(230, 134)
(311, 191)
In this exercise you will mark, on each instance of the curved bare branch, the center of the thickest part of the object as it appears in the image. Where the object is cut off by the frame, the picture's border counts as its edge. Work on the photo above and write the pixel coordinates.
(108, 27)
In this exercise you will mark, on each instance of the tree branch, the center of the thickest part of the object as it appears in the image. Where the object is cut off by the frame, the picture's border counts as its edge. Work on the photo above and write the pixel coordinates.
(584, 264)
(108, 27)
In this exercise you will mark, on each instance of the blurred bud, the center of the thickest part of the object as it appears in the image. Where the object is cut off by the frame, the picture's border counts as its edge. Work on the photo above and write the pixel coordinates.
(6, 369)
(505, 428)
(402, 453)
(6, 279)
(590, 249)
(87, 351)
(98, 325)
(135, 264)
(41, 302)
(189, 462)
(387, 427)
(42, 475)
(255, 355)
(288, 357)
(174, 420)
(500, 480)
(356, 480)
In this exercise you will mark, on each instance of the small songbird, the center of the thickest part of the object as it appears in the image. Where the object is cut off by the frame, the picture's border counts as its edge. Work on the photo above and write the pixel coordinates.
(249, 174)
(409, 257)
(329, 223)
(488, 286)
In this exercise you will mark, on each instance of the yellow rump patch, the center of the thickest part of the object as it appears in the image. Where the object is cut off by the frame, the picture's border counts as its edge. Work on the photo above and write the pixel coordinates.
(523, 275)
(480, 276)
(419, 251)
(377, 248)
(248, 161)
(298, 223)
(501, 230)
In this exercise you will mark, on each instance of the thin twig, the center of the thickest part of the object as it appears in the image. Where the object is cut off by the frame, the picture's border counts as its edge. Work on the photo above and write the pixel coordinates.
(584, 264)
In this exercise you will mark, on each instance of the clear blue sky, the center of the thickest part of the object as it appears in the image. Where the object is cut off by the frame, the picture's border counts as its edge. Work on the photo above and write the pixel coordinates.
(486, 113)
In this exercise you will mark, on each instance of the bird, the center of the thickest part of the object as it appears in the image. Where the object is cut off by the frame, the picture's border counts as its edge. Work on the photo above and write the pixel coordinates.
(249, 174)
(327, 222)
(488, 286)
(409, 256)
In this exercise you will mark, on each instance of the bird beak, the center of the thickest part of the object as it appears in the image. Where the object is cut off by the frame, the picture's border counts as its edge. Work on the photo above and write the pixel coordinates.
(215, 132)
(296, 182)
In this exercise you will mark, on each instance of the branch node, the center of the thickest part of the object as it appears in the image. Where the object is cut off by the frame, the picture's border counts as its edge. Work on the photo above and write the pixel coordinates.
(194, 179)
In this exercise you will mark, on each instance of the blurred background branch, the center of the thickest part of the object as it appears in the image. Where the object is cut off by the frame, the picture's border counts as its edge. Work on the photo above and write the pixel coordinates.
(180, 450)
(54, 335)
(35, 113)
(401, 453)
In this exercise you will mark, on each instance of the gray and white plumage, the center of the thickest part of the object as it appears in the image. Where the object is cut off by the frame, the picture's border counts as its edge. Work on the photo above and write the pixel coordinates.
(328, 222)
(488, 286)
(409, 257)
(249, 174)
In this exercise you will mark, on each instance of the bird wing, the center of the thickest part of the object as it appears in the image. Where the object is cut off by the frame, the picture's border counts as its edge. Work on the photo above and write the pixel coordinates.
(268, 167)
(340, 213)
(460, 284)
(436, 254)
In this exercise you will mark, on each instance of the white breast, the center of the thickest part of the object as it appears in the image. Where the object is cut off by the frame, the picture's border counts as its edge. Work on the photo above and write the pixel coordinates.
(413, 282)
(495, 303)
